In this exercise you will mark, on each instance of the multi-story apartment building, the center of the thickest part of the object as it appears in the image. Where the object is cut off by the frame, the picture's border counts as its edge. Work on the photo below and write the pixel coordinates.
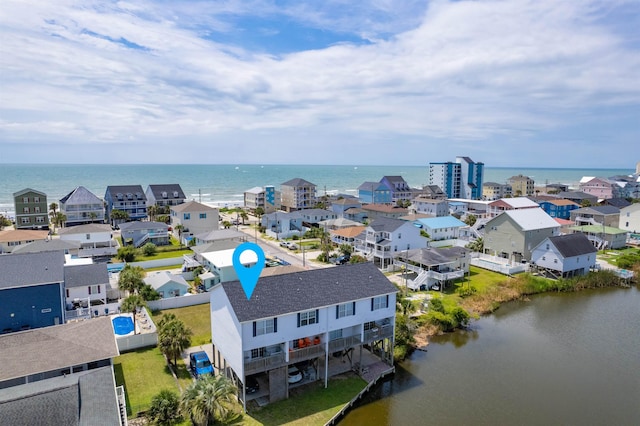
(494, 191)
(521, 185)
(165, 196)
(320, 321)
(265, 197)
(127, 198)
(297, 194)
(460, 179)
(81, 206)
(32, 211)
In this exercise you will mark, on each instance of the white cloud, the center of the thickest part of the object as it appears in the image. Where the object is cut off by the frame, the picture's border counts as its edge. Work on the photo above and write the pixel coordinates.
(475, 75)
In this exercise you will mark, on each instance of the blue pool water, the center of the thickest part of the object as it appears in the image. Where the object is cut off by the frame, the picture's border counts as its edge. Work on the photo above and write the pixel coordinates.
(122, 325)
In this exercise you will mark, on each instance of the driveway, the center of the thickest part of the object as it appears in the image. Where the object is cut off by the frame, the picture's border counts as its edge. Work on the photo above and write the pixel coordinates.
(207, 348)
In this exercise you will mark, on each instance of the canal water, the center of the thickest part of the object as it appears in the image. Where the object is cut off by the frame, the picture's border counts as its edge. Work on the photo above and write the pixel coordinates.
(558, 359)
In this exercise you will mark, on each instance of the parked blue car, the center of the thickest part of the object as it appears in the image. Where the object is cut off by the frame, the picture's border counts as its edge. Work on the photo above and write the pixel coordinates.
(200, 364)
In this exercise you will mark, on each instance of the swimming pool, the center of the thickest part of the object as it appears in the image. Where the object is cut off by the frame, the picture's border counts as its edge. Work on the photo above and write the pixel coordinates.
(123, 325)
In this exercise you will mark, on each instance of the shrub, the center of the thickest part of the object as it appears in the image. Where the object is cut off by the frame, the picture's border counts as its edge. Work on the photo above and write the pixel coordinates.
(149, 249)
(126, 254)
(466, 291)
(295, 238)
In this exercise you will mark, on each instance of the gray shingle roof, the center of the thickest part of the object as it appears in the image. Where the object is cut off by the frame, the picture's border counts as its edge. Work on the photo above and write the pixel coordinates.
(434, 256)
(571, 245)
(19, 270)
(85, 275)
(300, 291)
(599, 210)
(114, 190)
(51, 348)
(137, 225)
(80, 195)
(158, 189)
(85, 398)
(386, 224)
(87, 228)
(297, 182)
(47, 245)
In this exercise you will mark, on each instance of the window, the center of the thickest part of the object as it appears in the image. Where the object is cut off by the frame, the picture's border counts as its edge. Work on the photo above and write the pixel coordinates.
(203, 215)
(25, 210)
(88, 236)
(555, 260)
(94, 289)
(335, 334)
(25, 200)
(36, 199)
(187, 216)
(308, 318)
(25, 220)
(265, 326)
(258, 353)
(379, 302)
(399, 236)
(369, 325)
(36, 209)
(40, 219)
(345, 310)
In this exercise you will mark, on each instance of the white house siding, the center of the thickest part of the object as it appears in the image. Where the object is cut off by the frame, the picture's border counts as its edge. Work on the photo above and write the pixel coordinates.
(630, 218)
(552, 259)
(225, 335)
(89, 239)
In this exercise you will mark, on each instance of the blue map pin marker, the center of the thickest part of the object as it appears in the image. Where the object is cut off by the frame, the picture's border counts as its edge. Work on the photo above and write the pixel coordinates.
(248, 276)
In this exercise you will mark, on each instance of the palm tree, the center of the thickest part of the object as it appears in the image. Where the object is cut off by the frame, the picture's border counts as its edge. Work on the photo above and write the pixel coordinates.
(165, 408)
(93, 216)
(174, 338)
(152, 211)
(244, 216)
(132, 304)
(53, 209)
(259, 211)
(118, 216)
(131, 279)
(180, 228)
(208, 400)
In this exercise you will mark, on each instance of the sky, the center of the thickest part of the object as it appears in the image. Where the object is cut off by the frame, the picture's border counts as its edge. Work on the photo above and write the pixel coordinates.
(540, 83)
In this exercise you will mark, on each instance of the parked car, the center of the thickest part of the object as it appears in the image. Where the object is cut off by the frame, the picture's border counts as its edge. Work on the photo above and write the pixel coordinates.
(200, 364)
(293, 246)
(252, 385)
(295, 375)
(341, 260)
(284, 243)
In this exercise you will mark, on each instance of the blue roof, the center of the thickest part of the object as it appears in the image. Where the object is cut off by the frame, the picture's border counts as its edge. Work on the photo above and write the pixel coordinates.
(441, 222)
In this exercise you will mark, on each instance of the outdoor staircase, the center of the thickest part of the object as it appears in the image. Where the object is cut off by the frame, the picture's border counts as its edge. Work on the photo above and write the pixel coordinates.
(420, 280)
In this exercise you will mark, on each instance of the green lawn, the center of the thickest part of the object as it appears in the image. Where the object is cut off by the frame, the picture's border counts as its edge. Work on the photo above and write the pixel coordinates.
(143, 373)
(314, 405)
(164, 255)
(197, 318)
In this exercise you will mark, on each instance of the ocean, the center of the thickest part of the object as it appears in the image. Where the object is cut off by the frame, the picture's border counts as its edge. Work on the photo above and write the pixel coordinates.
(224, 185)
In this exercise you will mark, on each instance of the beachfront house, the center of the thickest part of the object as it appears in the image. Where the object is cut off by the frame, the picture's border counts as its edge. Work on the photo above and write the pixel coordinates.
(265, 197)
(374, 193)
(193, 218)
(321, 321)
(564, 256)
(13, 238)
(384, 237)
(297, 194)
(138, 234)
(61, 375)
(167, 284)
(129, 199)
(599, 187)
(164, 196)
(492, 191)
(603, 237)
(81, 206)
(32, 210)
(513, 234)
(346, 235)
(31, 291)
(399, 188)
(521, 185)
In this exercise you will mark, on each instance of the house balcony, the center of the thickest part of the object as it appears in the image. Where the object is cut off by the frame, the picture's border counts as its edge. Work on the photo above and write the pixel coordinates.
(303, 354)
(344, 343)
(378, 332)
(258, 365)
